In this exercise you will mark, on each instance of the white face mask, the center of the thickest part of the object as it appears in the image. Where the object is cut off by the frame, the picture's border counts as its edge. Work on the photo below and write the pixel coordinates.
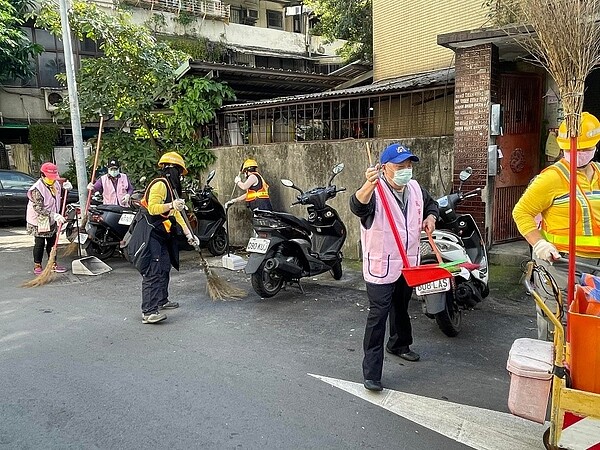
(583, 157)
(403, 176)
(113, 172)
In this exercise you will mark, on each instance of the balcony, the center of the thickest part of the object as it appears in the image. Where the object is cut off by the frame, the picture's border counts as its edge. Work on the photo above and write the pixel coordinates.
(214, 9)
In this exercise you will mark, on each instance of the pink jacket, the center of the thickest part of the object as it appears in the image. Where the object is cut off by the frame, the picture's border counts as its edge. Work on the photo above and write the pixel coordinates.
(109, 194)
(51, 203)
(382, 263)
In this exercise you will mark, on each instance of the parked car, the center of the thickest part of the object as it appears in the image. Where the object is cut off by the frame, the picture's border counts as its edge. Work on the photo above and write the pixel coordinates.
(13, 194)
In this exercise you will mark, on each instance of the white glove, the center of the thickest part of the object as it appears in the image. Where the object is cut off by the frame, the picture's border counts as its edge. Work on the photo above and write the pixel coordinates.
(545, 250)
(90, 186)
(229, 203)
(58, 218)
(179, 205)
(237, 179)
(125, 199)
(193, 240)
(67, 186)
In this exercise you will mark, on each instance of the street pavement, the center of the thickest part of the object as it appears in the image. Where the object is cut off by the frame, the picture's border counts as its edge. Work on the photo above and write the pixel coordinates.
(79, 370)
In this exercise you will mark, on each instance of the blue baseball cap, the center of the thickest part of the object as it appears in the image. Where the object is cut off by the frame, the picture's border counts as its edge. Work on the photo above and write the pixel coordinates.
(397, 153)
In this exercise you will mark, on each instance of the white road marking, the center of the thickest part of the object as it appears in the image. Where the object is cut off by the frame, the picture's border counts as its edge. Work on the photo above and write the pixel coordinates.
(479, 428)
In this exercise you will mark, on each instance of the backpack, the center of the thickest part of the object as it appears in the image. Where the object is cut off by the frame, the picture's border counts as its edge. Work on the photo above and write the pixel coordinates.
(135, 244)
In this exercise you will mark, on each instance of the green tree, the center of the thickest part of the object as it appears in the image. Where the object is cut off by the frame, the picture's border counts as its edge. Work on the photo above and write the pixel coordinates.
(351, 20)
(135, 73)
(15, 47)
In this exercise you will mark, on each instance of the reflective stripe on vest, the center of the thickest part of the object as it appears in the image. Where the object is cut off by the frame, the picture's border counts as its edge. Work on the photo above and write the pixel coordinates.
(261, 192)
(588, 232)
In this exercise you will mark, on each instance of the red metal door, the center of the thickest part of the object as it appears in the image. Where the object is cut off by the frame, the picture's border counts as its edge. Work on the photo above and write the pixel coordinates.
(520, 97)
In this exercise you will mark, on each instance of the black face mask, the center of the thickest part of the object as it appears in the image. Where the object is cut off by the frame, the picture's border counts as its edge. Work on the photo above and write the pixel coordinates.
(173, 174)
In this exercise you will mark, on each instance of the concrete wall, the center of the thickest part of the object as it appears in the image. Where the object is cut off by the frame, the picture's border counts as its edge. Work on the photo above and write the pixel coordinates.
(309, 165)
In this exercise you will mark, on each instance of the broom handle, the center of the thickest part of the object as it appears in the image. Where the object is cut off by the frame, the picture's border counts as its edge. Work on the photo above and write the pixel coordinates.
(434, 246)
(388, 213)
(89, 197)
(60, 225)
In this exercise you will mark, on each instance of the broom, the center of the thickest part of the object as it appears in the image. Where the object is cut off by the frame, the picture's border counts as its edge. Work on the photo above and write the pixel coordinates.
(217, 288)
(74, 247)
(47, 274)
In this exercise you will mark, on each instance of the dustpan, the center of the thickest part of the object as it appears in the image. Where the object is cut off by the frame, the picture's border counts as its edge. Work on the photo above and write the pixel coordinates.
(415, 275)
(229, 261)
(89, 265)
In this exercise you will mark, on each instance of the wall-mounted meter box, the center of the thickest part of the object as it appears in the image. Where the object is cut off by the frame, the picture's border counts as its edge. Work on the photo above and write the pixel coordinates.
(492, 160)
(495, 119)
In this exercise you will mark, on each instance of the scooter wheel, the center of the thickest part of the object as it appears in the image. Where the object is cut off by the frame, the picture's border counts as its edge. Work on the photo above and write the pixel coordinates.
(266, 283)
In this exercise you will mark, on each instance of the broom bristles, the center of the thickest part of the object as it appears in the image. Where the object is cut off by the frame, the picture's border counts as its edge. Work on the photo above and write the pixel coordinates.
(47, 274)
(217, 288)
(70, 249)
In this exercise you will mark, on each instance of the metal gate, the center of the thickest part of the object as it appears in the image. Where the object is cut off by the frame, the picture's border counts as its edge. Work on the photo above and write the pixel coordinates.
(520, 97)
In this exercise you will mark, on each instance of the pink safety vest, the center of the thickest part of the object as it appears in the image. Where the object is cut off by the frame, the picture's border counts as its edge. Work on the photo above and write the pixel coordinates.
(51, 203)
(382, 263)
(109, 194)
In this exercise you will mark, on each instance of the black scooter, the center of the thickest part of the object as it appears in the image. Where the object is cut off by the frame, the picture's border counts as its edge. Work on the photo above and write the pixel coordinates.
(289, 248)
(209, 220)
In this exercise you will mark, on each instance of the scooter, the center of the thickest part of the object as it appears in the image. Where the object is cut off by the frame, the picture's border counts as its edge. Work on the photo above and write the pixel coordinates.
(459, 240)
(289, 248)
(209, 218)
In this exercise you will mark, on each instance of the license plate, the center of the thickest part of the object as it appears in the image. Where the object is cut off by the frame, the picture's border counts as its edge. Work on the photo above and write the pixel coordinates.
(433, 287)
(126, 219)
(257, 245)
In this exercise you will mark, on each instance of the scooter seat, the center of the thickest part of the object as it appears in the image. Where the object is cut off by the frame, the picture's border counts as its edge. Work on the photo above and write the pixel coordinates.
(286, 217)
(112, 208)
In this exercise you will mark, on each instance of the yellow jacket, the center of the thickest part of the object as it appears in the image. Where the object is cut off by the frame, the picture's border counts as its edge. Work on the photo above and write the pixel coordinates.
(548, 195)
(157, 196)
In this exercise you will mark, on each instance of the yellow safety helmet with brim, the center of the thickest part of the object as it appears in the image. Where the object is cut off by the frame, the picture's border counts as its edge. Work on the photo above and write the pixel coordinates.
(249, 163)
(173, 158)
(588, 136)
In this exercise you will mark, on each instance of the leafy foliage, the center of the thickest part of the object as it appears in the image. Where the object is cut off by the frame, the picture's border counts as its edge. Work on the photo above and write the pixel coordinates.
(15, 47)
(136, 73)
(43, 137)
(346, 19)
(503, 12)
(199, 48)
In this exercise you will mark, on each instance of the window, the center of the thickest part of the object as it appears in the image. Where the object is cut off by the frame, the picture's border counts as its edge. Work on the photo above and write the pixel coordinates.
(14, 180)
(235, 15)
(274, 19)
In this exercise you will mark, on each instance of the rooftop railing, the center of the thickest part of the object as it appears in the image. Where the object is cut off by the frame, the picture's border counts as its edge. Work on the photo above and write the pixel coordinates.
(204, 8)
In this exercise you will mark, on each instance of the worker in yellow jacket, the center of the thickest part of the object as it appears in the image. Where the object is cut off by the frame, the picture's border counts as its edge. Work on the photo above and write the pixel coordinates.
(548, 196)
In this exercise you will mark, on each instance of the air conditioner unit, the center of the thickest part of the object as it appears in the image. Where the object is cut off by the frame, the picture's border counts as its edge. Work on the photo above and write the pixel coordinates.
(53, 98)
(252, 13)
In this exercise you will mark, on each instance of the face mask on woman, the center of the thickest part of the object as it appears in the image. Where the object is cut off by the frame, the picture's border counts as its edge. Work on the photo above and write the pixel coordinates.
(403, 176)
(113, 172)
(48, 181)
(583, 157)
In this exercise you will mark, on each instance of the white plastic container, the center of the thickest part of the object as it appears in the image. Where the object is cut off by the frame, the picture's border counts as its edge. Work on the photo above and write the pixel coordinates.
(530, 366)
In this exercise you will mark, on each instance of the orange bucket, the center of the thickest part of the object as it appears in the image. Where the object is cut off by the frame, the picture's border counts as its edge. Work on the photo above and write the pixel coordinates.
(584, 340)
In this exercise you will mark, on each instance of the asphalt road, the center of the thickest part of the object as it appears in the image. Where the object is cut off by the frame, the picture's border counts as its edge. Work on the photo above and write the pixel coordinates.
(79, 370)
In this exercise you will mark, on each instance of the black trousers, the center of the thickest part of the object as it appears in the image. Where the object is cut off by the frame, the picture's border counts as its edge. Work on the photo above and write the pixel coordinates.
(155, 282)
(38, 247)
(386, 300)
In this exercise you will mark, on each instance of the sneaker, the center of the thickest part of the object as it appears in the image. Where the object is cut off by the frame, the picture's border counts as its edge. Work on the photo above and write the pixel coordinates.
(38, 269)
(58, 269)
(169, 305)
(153, 317)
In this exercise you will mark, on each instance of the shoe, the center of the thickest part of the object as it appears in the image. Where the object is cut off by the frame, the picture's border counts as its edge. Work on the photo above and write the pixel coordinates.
(405, 353)
(38, 269)
(373, 385)
(169, 305)
(153, 317)
(58, 269)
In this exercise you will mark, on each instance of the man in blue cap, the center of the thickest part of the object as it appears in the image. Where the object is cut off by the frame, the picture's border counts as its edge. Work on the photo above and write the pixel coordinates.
(413, 210)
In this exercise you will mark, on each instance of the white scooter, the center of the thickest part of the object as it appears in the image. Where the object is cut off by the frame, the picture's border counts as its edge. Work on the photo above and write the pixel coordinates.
(459, 240)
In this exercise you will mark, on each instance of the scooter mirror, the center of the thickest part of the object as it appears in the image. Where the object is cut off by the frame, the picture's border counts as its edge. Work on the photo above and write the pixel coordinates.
(337, 169)
(465, 174)
(288, 183)
(210, 176)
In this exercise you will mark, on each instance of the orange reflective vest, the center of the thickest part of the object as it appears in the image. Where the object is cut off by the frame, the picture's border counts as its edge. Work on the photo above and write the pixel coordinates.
(260, 191)
(164, 217)
(587, 234)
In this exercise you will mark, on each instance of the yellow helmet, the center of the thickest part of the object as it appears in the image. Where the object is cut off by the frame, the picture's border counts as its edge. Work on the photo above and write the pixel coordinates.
(173, 158)
(249, 163)
(588, 136)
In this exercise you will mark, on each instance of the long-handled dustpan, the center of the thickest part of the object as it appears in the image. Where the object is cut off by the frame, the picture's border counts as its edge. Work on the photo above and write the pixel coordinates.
(229, 261)
(416, 275)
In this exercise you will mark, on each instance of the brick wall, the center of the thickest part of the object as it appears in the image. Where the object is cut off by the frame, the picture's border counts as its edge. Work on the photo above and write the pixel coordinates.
(477, 83)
